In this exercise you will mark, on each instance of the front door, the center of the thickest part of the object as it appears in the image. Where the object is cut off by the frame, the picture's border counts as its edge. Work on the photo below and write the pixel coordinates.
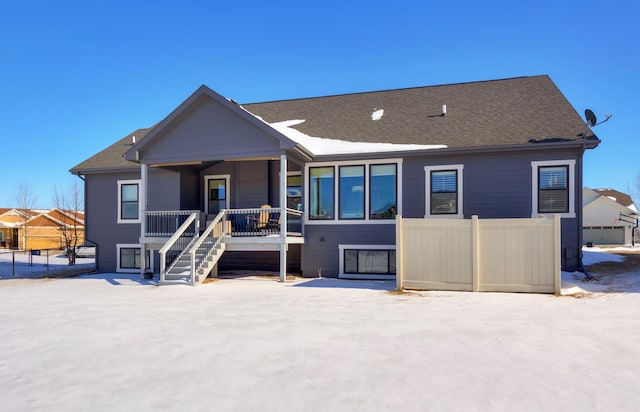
(217, 193)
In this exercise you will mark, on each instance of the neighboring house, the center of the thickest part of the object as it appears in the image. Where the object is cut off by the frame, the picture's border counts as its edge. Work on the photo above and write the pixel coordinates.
(336, 171)
(10, 222)
(44, 228)
(609, 217)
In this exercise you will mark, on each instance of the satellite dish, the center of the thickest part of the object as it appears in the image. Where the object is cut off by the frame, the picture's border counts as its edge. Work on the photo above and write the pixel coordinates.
(591, 117)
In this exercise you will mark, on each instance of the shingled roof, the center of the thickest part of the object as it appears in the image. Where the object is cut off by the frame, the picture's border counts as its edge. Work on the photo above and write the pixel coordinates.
(507, 112)
(618, 197)
(111, 157)
(488, 113)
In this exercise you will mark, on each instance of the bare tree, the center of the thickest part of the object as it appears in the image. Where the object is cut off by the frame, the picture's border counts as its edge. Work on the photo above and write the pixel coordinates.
(24, 200)
(69, 205)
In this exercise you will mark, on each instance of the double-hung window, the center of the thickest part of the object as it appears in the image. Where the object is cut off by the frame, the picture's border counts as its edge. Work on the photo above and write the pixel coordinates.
(552, 188)
(129, 201)
(353, 192)
(443, 191)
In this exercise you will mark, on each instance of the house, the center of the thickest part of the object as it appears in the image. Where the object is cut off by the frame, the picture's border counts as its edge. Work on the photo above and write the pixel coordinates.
(184, 197)
(39, 229)
(609, 217)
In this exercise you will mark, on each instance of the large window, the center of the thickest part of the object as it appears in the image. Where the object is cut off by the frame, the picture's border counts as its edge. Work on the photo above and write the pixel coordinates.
(321, 193)
(351, 198)
(443, 191)
(370, 261)
(552, 188)
(129, 201)
(367, 261)
(383, 189)
(365, 191)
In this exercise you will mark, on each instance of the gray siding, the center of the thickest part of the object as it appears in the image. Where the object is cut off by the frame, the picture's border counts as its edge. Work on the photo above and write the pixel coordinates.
(497, 185)
(101, 203)
(163, 191)
(190, 193)
(249, 182)
(320, 251)
(209, 131)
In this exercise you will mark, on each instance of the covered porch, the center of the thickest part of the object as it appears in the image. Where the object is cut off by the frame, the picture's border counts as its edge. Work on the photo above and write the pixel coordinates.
(190, 242)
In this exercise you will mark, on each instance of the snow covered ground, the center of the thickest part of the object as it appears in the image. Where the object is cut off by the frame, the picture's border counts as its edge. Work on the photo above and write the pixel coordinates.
(20, 264)
(115, 342)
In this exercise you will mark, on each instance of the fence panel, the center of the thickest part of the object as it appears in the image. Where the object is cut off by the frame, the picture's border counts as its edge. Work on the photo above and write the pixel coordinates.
(437, 254)
(508, 255)
(516, 255)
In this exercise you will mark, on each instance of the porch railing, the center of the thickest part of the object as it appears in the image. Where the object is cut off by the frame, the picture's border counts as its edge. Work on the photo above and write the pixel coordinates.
(166, 223)
(262, 222)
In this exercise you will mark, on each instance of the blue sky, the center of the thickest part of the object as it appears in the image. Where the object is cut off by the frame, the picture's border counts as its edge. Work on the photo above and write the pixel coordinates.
(78, 75)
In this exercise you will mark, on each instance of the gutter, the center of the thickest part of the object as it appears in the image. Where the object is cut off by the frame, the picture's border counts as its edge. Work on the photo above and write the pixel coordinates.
(572, 144)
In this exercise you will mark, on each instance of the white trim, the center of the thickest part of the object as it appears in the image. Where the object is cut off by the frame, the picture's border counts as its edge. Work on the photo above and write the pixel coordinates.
(372, 276)
(366, 220)
(129, 182)
(142, 262)
(227, 199)
(571, 186)
(427, 191)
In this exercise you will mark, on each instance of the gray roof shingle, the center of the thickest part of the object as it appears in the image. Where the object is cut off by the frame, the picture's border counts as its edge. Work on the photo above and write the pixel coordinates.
(487, 113)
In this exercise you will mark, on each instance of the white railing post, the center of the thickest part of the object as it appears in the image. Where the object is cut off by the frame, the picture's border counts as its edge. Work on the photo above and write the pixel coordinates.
(283, 217)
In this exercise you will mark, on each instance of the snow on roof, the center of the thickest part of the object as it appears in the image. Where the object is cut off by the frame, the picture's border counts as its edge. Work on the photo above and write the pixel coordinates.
(325, 146)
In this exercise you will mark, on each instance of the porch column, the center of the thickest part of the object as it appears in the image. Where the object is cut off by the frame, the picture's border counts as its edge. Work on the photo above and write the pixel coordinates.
(143, 218)
(283, 217)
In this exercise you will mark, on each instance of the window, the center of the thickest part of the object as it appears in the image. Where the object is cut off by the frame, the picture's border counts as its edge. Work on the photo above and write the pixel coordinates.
(553, 192)
(321, 193)
(370, 261)
(351, 197)
(383, 191)
(129, 201)
(128, 258)
(367, 261)
(443, 191)
(294, 192)
(350, 192)
(552, 188)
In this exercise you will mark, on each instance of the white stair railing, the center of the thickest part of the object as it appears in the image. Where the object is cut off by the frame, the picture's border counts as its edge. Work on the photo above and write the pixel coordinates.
(178, 243)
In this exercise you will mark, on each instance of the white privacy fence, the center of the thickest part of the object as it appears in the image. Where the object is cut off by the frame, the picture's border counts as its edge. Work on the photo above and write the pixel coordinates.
(505, 255)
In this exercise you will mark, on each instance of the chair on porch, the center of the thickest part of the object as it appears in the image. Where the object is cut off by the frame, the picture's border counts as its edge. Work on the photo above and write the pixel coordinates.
(267, 220)
(263, 217)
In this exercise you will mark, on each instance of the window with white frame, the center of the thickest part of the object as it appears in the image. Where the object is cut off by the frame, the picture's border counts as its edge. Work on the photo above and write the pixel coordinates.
(128, 258)
(353, 191)
(443, 191)
(369, 260)
(553, 188)
(129, 201)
